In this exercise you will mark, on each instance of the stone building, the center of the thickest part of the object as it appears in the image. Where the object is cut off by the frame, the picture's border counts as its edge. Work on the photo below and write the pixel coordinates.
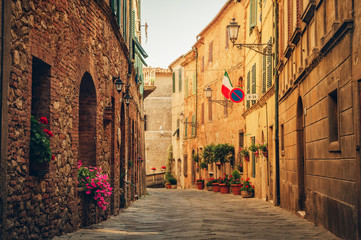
(180, 163)
(319, 112)
(217, 120)
(61, 63)
(158, 125)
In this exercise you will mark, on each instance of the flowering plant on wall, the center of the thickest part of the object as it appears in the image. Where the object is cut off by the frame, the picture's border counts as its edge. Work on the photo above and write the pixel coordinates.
(153, 169)
(40, 140)
(95, 184)
(247, 186)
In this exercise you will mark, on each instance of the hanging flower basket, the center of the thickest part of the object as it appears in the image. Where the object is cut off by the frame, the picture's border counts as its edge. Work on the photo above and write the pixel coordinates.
(256, 153)
(246, 158)
(265, 154)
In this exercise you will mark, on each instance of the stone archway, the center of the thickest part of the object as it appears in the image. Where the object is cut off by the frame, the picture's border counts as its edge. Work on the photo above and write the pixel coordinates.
(87, 121)
(300, 156)
(87, 141)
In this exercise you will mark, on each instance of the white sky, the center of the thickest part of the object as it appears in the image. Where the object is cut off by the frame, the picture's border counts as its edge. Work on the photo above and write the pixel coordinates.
(173, 26)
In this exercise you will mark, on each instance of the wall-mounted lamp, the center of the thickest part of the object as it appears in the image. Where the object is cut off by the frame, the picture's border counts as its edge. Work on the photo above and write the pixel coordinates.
(127, 98)
(118, 84)
(233, 29)
(208, 93)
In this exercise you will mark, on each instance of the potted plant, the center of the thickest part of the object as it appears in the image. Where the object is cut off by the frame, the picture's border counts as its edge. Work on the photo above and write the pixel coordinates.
(247, 189)
(209, 184)
(204, 166)
(245, 154)
(153, 169)
(224, 184)
(254, 148)
(200, 184)
(163, 168)
(215, 185)
(235, 182)
(173, 182)
(40, 152)
(264, 149)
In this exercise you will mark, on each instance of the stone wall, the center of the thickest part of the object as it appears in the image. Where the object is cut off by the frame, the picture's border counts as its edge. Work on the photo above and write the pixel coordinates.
(82, 45)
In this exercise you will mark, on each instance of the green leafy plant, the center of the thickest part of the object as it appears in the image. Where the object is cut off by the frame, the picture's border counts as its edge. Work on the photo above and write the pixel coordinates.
(247, 186)
(172, 181)
(235, 177)
(212, 180)
(225, 180)
(253, 148)
(200, 180)
(39, 140)
(204, 165)
(196, 157)
(244, 152)
(130, 164)
(263, 147)
(224, 153)
(208, 154)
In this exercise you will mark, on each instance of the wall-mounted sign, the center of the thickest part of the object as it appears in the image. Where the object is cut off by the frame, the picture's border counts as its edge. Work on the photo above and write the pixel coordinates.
(237, 95)
(253, 96)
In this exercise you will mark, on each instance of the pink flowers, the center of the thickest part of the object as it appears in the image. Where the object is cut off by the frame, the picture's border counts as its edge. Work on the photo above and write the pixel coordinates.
(96, 184)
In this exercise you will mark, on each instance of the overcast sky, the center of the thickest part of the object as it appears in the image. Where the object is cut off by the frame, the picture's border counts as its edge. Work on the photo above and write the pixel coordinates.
(173, 26)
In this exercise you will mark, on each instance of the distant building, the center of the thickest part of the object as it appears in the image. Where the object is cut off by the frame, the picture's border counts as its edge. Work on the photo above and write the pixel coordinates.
(158, 125)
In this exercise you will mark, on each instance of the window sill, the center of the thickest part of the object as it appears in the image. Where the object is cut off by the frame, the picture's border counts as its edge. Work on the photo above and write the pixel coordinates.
(334, 147)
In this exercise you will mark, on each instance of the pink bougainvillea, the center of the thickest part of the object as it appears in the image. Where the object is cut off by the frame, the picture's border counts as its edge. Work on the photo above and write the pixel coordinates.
(95, 183)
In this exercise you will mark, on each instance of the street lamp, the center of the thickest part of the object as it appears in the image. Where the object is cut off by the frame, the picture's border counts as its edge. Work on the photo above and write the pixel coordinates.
(208, 93)
(118, 84)
(127, 98)
(233, 29)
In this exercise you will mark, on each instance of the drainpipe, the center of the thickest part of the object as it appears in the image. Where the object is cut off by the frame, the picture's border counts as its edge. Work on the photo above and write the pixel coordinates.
(277, 154)
(4, 85)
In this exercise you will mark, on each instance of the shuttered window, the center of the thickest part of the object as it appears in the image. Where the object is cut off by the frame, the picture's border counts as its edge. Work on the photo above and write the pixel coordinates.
(253, 14)
(264, 75)
(125, 19)
(180, 80)
(133, 23)
(173, 82)
(269, 71)
(254, 81)
(193, 125)
(186, 128)
(248, 87)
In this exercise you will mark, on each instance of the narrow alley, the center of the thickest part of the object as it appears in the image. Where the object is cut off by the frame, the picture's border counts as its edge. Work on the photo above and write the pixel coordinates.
(193, 214)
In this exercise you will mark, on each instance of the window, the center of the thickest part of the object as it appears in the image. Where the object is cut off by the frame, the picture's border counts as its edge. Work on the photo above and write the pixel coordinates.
(173, 76)
(193, 125)
(210, 52)
(254, 81)
(241, 140)
(282, 137)
(125, 19)
(269, 69)
(185, 165)
(145, 122)
(253, 139)
(264, 74)
(209, 110)
(115, 5)
(186, 128)
(333, 116)
(248, 87)
(180, 80)
(194, 87)
(252, 14)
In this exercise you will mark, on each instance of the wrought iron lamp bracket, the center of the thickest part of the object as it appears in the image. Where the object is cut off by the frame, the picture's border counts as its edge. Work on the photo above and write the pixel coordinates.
(224, 103)
(262, 48)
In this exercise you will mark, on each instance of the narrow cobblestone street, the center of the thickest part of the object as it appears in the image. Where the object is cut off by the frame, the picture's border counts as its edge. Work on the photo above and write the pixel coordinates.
(194, 214)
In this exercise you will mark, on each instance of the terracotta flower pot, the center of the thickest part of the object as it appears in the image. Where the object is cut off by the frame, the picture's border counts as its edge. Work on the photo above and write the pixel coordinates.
(215, 187)
(210, 188)
(236, 188)
(224, 188)
(247, 194)
(173, 186)
(200, 185)
(246, 158)
(168, 186)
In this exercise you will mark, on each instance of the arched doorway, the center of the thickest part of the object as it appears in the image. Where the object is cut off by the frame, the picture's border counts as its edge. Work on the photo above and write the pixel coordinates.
(121, 139)
(300, 156)
(87, 121)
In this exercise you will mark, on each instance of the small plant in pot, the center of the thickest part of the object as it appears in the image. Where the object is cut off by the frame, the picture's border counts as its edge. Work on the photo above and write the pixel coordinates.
(245, 154)
(209, 184)
(254, 148)
(235, 182)
(215, 185)
(224, 184)
(264, 149)
(247, 189)
(200, 184)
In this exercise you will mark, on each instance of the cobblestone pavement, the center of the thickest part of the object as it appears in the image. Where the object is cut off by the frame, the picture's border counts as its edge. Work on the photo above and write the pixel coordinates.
(194, 214)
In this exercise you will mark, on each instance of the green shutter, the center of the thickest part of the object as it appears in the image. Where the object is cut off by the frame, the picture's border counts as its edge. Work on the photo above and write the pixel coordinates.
(254, 81)
(253, 14)
(133, 23)
(186, 87)
(248, 87)
(253, 159)
(269, 69)
(264, 74)
(186, 128)
(194, 84)
(180, 80)
(173, 81)
(125, 19)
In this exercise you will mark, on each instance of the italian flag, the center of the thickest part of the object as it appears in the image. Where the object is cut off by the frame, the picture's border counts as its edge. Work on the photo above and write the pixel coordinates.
(226, 85)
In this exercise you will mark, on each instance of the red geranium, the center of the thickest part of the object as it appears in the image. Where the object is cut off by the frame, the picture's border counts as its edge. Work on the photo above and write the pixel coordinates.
(43, 120)
(50, 134)
(153, 168)
(52, 157)
(164, 167)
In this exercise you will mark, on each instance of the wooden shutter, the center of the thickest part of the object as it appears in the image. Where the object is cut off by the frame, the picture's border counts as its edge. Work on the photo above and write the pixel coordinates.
(253, 139)
(180, 80)
(253, 14)
(173, 81)
(193, 126)
(186, 128)
(125, 19)
(254, 81)
(133, 23)
(269, 71)
(264, 75)
(248, 87)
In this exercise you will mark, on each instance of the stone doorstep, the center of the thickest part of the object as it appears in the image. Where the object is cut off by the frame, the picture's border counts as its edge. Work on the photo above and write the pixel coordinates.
(301, 214)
